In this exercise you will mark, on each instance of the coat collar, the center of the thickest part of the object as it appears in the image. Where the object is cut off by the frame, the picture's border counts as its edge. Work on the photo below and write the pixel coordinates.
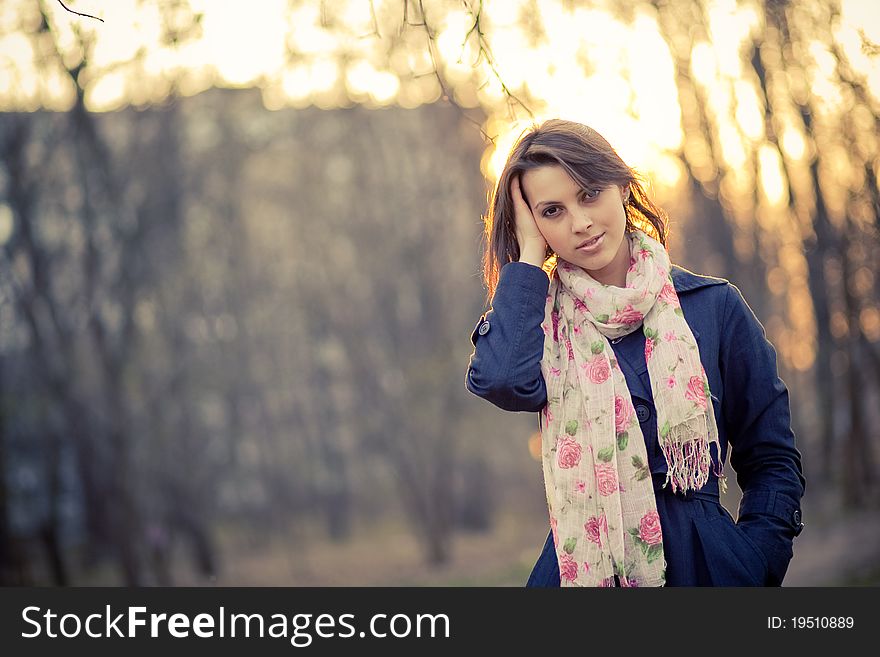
(685, 280)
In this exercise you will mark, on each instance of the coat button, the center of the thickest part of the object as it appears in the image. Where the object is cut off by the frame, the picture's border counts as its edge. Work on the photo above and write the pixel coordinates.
(643, 412)
(484, 328)
(796, 519)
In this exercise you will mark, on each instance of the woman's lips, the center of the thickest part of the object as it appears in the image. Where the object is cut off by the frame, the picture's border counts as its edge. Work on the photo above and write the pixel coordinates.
(593, 246)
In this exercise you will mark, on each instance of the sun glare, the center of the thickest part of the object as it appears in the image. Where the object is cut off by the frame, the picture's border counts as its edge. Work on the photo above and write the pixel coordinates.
(560, 58)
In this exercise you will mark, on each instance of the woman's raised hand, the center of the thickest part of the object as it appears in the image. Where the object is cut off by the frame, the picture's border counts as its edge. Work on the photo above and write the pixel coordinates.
(532, 245)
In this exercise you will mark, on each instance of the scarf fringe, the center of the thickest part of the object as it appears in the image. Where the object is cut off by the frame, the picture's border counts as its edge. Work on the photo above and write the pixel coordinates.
(688, 459)
(722, 478)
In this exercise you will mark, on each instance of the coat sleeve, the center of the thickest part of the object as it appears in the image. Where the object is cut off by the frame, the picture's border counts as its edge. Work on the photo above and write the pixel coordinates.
(758, 425)
(505, 366)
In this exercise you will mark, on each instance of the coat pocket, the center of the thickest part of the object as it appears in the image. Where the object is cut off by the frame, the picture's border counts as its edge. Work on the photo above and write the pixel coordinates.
(732, 558)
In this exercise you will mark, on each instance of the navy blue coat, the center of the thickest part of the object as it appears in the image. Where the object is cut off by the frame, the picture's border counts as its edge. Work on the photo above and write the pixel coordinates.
(702, 543)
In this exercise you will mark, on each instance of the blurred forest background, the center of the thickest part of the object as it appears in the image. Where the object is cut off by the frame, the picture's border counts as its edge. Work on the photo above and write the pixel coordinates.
(239, 269)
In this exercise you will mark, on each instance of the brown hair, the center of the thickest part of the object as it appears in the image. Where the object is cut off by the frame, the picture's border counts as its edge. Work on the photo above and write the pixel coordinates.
(590, 161)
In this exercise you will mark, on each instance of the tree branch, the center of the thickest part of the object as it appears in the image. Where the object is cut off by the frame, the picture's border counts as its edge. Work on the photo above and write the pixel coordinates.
(79, 13)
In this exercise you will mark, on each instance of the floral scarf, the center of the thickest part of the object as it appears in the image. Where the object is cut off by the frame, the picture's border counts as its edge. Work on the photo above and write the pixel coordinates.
(600, 493)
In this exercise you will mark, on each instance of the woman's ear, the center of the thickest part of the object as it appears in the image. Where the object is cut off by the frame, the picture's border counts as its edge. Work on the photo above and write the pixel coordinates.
(624, 193)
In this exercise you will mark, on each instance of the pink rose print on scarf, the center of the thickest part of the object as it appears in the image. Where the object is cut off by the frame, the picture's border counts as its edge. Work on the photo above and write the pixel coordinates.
(645, 254)
(670, 382)
(627, 315)
(554, 317)
(607, 583)
(548, 415)
(568, 452)
(632, 264)
(579, 305)
(598, 369)
(580, 486)
(695, 391)
(568, 568)
(555, 371)
(649, 348)
(591, 291)
(568, 346)
(670, 336)
(668, 295)
(596, 526)
(649, 528)
(606, 478)
(623, 413)
(553, 529)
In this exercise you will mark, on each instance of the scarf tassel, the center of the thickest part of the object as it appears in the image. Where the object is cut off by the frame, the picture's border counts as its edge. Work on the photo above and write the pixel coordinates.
(688, 460)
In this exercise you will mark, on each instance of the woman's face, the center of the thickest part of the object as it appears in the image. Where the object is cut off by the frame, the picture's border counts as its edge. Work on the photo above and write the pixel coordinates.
(567, 215)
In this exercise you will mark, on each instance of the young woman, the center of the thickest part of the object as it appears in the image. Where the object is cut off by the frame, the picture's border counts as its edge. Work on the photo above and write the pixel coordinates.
(642, 373)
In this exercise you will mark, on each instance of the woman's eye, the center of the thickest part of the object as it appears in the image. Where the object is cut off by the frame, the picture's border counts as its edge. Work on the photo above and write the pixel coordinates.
(588, 194)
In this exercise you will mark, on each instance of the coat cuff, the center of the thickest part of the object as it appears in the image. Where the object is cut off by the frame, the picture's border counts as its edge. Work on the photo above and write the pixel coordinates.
(772, 520)
(774, 503)
(525, 275)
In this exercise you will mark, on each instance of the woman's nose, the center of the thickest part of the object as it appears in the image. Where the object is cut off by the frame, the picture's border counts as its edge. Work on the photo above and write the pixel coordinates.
(581, 222)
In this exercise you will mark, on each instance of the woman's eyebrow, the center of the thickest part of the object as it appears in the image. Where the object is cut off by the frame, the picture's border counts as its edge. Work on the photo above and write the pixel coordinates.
(594, 186)
(540, 203)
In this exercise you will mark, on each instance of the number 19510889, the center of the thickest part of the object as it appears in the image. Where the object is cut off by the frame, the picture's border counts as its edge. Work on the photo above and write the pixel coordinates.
(810, 622)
